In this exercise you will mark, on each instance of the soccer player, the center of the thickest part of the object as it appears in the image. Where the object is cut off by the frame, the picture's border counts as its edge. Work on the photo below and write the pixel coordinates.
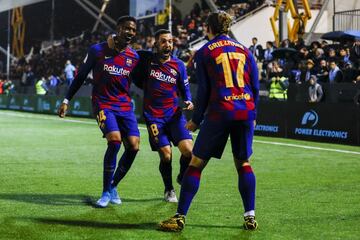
(164, 78)
(226, 105)
(112, 103)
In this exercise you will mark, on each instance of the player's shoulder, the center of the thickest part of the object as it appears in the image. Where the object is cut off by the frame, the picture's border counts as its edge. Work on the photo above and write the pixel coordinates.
(131, 53)
(177, 64)
(98, 46)
(145, 54)
(177, 61)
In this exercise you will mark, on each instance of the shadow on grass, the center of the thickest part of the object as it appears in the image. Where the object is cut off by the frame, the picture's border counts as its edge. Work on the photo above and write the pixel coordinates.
(105, 225)
(93, 224)
(142, 200)
(62, 199)
(239, 227)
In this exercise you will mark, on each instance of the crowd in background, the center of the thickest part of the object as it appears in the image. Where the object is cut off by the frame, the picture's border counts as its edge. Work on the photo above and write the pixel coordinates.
(318, 63)
(312, 65)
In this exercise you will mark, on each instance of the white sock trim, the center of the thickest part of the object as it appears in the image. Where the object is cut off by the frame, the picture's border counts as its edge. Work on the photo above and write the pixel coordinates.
(249, 213)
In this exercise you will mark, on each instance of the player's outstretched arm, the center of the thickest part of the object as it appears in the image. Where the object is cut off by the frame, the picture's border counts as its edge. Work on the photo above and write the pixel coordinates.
(79, 79)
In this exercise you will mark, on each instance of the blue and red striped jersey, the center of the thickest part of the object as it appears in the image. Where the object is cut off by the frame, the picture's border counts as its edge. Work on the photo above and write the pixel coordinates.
(163, 83)
(111, 77)
(228, 83)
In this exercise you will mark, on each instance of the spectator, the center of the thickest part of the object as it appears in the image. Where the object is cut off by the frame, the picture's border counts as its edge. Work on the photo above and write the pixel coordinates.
(315, 90)
(323, 72)
(285, 43)
(268, 52)
(256, 49)
(349, 73)
(295, 73)
(8, 87)
(53, 82)
(41, 87)
(335, 74)
(344, 57)
(319, 55)
(304, 53)
(278, 84)
(1, 86)
(314, 46)
(299, 43)
(69, 72)
(355, 54)
(332, 55)
(310, 70)
(27, 80)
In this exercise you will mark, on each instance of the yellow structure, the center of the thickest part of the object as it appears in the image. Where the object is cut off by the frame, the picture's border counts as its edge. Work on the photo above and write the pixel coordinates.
(18, 25)
(300, 19)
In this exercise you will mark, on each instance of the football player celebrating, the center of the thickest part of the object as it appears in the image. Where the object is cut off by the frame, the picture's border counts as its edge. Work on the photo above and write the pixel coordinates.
(162, 76)
(112, 103)
(226, 105)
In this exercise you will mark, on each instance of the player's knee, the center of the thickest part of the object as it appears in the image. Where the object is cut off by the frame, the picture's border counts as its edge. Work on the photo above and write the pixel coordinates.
(166, 158)
(113, 136)
(197, 163)
(241, 163)
(133, 145)
(186, 147)
(165, 154)
(133, 148)
(187, 153)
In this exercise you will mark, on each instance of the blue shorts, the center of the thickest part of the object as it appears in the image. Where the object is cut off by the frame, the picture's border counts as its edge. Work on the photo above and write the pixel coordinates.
(213, 137)
(124, 122)
(163, 132)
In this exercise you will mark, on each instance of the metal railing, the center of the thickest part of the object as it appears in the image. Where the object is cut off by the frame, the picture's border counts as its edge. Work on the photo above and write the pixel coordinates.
(314, 4)
(346, 20)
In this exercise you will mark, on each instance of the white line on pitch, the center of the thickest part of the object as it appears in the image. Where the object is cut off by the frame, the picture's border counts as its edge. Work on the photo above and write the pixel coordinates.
(307, 147)
(144, 128)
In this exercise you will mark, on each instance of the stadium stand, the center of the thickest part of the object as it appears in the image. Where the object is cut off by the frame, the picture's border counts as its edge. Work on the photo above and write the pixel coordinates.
(49, 62)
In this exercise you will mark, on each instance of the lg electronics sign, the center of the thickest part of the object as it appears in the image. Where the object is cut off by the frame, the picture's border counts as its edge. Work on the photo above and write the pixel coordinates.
(309, 122)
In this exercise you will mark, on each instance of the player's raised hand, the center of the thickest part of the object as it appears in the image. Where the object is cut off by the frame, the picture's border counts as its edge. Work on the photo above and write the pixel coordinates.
(188, 105)
(62, 110)
(191, 126)
(110, 41)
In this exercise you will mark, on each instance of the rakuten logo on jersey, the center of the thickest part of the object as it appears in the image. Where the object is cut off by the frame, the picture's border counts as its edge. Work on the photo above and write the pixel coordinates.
(162, 77)
(113, 70)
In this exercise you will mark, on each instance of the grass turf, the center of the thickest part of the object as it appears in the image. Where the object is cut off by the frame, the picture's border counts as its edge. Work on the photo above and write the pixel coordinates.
(51, 174)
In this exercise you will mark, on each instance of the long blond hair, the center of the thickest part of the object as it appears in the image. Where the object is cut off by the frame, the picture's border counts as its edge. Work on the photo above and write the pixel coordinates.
(219, 22)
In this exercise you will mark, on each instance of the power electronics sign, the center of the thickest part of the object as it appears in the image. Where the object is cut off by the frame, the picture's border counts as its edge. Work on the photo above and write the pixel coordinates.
(310, 126)
(270, 120)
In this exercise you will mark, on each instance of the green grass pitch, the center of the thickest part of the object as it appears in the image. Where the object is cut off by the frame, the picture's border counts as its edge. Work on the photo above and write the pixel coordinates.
(51, 172)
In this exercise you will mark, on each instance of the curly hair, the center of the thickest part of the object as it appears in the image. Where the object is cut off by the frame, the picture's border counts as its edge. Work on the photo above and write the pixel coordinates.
(219, 22)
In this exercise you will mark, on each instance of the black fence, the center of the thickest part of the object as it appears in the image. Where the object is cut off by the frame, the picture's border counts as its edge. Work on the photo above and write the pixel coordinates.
(336, 119)
(323, 122)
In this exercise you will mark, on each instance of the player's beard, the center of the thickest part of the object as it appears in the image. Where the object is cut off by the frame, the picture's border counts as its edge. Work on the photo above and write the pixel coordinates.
(166, 53)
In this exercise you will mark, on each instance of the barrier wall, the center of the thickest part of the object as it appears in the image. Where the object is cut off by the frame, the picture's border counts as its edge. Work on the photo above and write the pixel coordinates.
(79, 106)
(323, 122)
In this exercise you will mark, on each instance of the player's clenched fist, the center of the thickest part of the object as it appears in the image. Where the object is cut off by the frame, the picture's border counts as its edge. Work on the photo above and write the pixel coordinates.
(110, 41)
(62, 110)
